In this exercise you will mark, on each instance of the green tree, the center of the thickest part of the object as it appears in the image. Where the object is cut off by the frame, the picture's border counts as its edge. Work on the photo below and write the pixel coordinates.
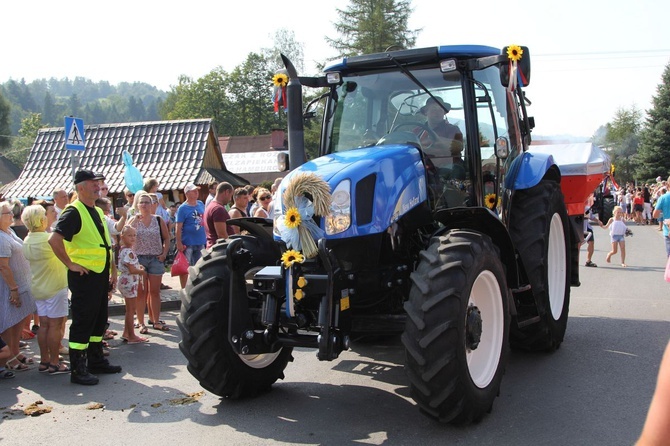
(136, 111)
(207, 97)
(372, 26)
(21, 146)
(285, 43)
(250, 89)
(5, 120)
(74, 106)
(50, 111)
(622, 137)
(654, 153)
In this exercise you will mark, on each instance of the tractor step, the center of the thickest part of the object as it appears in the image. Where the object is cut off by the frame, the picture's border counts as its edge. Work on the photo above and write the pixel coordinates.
(527, 322)
(521, 289)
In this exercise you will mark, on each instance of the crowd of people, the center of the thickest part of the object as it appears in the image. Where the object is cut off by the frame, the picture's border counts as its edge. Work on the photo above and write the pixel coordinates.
(638, 202)
(68, 254)
(643, 205)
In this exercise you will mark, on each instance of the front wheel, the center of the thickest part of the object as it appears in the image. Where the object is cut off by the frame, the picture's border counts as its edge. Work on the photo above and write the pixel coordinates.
(203, 322)
(457, 327)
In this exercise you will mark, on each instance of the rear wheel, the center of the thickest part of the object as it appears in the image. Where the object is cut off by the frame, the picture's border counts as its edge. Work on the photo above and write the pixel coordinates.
(457, 327)
(203, 322)
(539, 230)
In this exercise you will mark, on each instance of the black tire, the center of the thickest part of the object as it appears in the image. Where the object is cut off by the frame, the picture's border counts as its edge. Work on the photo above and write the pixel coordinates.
(203, 323)
(539, 230)
(607, 209)
(451, 379)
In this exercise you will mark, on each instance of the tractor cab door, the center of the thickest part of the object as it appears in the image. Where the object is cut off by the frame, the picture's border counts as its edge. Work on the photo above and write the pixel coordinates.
(494, 115)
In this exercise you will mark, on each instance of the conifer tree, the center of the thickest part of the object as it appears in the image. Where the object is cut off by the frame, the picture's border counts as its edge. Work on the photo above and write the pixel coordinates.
(373, 26)
(653, 158)
(5, 128)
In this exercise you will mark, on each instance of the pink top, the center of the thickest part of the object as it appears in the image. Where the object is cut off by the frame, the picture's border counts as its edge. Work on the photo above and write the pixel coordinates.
(148, 241)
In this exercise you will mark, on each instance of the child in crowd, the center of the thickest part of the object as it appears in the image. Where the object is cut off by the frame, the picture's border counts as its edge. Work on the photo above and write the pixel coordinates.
(131, 273)
(617, 234)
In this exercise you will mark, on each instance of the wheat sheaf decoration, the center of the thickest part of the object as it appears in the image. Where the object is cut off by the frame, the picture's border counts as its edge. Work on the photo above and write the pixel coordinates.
(297, 228)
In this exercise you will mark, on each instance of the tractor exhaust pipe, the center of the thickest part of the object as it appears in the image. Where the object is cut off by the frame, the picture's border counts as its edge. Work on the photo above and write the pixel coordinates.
(296, 129)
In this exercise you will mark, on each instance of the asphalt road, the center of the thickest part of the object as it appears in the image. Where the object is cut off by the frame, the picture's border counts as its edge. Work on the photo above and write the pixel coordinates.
(595, 390)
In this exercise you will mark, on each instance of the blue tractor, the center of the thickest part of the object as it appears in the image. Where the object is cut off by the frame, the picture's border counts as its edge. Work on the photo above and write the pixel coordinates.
(454, 236)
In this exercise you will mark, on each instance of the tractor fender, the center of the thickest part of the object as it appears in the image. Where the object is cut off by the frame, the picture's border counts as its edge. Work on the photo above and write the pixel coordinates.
(529, 169)
(259, 227)
(482, 220)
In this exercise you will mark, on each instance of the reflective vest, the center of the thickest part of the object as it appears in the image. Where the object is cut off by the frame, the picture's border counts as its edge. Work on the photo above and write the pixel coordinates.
(87, 247)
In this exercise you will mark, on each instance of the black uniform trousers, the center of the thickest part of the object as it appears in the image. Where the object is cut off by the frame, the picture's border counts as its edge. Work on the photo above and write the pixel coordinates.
(88, 307)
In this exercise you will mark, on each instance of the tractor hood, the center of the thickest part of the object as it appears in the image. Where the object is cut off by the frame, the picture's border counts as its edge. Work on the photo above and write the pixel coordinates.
(382, 184)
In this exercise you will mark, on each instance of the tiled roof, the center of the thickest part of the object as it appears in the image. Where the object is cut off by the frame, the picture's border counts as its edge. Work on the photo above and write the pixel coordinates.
(173, 152)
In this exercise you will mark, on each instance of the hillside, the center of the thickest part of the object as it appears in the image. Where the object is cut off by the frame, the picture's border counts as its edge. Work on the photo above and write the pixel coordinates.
(94, 102)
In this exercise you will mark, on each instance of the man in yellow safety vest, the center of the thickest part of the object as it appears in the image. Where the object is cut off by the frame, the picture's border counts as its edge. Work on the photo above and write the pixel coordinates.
(81, 241)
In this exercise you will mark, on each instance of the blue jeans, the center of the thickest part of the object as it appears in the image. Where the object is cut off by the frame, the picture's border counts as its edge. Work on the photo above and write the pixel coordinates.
(193, 253)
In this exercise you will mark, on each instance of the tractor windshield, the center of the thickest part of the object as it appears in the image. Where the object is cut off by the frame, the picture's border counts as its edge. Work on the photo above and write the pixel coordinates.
(369, 107)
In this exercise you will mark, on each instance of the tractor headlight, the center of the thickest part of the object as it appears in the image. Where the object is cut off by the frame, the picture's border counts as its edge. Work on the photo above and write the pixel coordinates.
(339, 218)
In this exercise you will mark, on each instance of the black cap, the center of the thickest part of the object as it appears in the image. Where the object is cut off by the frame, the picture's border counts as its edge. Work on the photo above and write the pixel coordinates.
(436, 100)
(85, 175)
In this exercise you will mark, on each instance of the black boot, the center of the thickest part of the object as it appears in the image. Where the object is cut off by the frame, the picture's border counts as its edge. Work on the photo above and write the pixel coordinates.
(80, 374)
(97, 363)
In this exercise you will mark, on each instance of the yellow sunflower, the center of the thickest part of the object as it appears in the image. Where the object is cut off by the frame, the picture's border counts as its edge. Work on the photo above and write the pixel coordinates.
(490, 201)
(514, 53)
(291, 256)
(292, 218)
(280, 80)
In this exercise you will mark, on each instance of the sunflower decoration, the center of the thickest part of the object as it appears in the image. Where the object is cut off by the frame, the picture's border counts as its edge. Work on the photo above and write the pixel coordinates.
(279, 82)
(292, 218)
(491, 201)
(514, 53)
(297, 228)
(290, 257)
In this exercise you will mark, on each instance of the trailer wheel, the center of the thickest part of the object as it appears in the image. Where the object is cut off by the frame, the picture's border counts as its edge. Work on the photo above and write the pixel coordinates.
(607, 209)
(203, 322)
(539, 230)
(457, 327)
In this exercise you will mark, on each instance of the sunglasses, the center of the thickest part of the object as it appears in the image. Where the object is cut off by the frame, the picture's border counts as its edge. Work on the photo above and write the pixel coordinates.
(130, 195)
(265, 197)
(104, 188)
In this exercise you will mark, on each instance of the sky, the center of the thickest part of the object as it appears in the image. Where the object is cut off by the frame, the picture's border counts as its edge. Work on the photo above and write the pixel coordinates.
(590, 58)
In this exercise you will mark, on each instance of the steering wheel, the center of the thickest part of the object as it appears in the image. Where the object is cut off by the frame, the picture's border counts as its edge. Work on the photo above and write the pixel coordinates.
(431, 134)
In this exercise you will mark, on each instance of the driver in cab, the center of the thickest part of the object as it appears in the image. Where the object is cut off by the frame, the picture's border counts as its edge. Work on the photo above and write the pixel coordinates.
(445, 143)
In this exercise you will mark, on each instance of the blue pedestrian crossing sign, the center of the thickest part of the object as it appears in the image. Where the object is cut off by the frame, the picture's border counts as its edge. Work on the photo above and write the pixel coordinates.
(74, 133)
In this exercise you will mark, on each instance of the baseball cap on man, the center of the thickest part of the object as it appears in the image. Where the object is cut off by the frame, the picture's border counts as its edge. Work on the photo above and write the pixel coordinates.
(436, 100)
(85, 175)
(189, 187)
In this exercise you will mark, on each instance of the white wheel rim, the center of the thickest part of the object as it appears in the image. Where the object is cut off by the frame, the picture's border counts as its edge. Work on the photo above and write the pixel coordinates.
(556, 269)
(483, 361)
(259, 361)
